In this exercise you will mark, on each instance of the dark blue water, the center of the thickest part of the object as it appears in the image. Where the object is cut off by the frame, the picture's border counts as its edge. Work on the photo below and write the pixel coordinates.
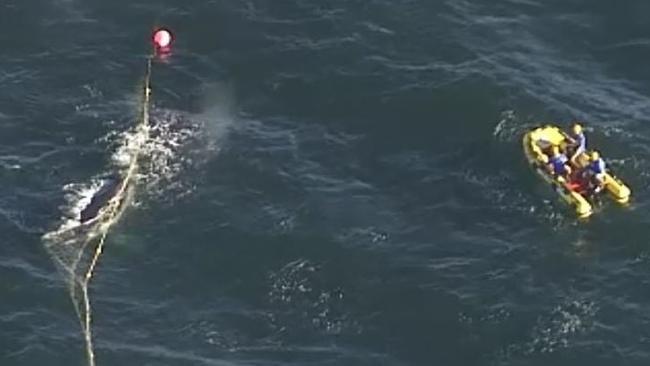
(326, 183)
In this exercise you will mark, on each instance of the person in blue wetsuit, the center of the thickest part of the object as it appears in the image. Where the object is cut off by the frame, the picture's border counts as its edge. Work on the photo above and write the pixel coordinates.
(577, 142)
(557, 163)
(595, 171)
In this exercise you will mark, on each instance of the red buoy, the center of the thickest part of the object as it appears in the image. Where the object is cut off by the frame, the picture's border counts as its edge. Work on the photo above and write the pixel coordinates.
(162, 39)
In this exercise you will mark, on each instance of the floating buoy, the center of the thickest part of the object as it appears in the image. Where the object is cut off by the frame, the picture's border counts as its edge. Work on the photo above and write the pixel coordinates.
(162, 39)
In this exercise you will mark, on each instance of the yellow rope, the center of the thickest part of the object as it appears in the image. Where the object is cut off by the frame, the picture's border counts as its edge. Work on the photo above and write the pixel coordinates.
(112, 210)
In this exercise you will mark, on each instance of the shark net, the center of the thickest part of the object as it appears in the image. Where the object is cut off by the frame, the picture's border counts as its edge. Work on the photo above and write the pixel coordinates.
(77, 247)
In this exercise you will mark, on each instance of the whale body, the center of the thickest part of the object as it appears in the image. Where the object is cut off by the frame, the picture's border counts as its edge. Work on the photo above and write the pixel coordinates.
(107, 191)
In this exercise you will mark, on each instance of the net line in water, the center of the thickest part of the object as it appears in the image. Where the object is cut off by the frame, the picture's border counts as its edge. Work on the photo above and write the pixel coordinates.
(68, 245)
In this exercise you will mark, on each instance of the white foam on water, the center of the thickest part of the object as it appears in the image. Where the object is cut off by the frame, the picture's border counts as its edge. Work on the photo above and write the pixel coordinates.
(302, 298)
(556, 330)
(180, 143)
(553, 331)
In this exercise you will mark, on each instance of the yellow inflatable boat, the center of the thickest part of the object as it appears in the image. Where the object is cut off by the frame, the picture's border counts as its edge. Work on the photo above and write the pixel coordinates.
(538, 141)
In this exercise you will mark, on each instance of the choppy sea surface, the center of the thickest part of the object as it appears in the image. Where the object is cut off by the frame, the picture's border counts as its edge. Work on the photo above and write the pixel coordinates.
(326, 182)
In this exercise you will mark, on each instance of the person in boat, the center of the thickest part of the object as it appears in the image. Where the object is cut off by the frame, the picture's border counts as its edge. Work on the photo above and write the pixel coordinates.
(577, 142)
(557, 163)
(594, 172)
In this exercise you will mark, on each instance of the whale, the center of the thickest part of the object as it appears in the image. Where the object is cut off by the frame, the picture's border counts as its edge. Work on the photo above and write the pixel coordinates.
(110, 187)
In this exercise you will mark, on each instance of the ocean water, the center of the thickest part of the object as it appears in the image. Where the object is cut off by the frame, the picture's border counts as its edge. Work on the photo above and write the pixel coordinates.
(325, 182)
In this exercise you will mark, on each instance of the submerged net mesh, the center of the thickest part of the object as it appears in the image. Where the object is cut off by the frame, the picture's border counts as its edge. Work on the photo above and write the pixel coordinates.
(76, 248)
